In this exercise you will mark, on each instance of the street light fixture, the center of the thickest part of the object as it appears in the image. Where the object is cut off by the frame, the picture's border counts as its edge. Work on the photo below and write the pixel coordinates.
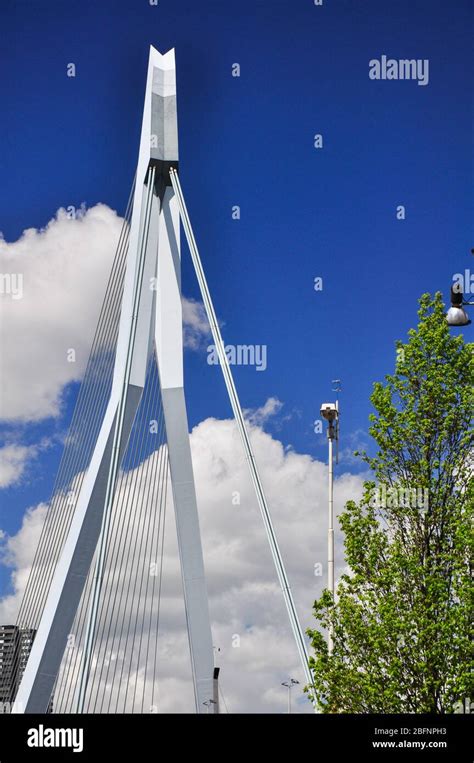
(289, 685)
(208, 704)
(456, 315)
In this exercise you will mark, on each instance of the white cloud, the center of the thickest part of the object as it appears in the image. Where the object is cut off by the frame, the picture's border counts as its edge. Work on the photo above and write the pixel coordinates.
(357, 441)
(17, 552)
(13, 461)
(259, 416)
(64, 268)
(197, 331)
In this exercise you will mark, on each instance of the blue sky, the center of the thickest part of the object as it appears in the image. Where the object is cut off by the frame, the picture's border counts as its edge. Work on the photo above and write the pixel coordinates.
(248, 141)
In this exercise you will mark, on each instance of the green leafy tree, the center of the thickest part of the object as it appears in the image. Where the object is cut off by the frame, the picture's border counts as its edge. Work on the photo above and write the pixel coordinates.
(401, 615)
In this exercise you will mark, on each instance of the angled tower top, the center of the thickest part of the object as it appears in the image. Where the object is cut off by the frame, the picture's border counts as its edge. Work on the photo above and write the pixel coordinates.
(159, 135)
(164, 72)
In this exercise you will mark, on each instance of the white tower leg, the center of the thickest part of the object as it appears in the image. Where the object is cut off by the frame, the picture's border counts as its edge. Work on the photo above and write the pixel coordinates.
(169, 347)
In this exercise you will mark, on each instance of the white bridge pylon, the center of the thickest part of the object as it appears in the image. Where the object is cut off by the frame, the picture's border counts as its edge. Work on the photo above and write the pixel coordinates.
(151, 315)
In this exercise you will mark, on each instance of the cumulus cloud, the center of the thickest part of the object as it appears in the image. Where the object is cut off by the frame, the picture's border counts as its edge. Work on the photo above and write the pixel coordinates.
(14, 459)
(64, 270)
(197, 331)
(17, 553)
(259, 416)
(249, 621)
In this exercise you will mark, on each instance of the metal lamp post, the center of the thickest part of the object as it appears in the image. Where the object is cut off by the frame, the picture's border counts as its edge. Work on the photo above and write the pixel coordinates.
(330, 412)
